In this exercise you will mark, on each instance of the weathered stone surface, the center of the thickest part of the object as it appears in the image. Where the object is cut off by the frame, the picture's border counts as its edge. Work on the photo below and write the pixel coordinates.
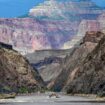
(71, 10)
(48, 68)
(16, 73)
(40, 55)
(47, 62)
(82, 12)
(71, 63)
(50, 26)
(28, 34)
(84, 26)
(90, 76)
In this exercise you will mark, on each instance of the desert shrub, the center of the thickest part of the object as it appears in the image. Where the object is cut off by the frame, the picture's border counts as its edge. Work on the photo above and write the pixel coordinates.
(5, 89)
(23, 90)
(101, 94)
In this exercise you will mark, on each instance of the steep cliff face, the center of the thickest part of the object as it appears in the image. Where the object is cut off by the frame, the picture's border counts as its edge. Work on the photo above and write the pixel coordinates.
(84, 26)
(40, 55)
(90, 75)
(50, 26)
(16, 73)
(71, 10)
(72, 62)
(82, 12)
(27, 34)
(47, 62)
(48, 70)
(101, 21)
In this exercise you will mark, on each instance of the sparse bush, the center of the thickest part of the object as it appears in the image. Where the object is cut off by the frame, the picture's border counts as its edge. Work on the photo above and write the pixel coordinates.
(23, 90)
(101, 94)
(6, 89)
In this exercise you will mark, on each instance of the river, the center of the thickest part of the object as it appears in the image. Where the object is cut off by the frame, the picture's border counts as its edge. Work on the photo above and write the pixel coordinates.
(43, 99)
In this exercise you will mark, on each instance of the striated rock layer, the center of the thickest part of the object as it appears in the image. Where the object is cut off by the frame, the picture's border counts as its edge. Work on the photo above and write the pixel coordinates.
(27, 34)
(82, 12)
(90, 75)
(50, 26)
(71, 63)
(16, 74)
(71, 10)
(47, 62)
(84, 26)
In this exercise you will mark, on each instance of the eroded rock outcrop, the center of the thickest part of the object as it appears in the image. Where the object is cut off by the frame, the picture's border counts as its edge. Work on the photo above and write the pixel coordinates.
(29, 34)
(84, 26)
(47, 62)
(16, 74)
(50, 26)
(90, 75)
(71, 63)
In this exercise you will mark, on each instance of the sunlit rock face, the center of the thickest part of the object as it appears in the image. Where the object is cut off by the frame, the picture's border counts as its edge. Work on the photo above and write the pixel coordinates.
(101, 20)
(66, 10)
(24, 34)
(84, 26)
(52, 24)
(28, 34)
(84, 12)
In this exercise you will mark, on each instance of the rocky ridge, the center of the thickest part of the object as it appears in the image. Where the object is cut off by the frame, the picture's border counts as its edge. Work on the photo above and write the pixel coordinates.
(16, 74)
(71, 63)
(50, 27)
(89, 76)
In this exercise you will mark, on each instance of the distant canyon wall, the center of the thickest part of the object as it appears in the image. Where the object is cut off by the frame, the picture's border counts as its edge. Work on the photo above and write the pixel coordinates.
(48, 26)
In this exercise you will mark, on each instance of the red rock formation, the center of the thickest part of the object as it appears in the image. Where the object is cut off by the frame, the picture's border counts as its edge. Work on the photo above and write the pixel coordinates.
(51, 27)
(92, 36)
(27, 35)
